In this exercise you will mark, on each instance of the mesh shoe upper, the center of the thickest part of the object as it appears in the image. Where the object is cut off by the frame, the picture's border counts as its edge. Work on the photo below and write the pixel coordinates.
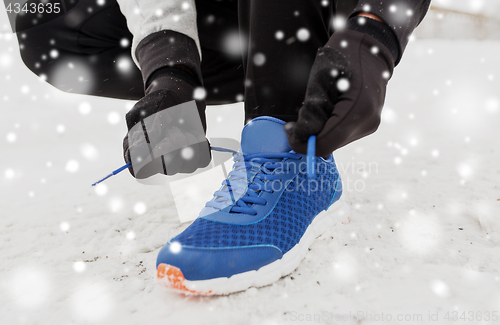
(283, 227)
(246, 227)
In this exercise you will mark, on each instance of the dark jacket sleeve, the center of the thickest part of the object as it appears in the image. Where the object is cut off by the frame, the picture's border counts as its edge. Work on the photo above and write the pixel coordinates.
(402, 16)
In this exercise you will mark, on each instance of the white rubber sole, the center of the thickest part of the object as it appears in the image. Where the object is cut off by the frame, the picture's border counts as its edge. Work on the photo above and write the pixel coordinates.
(173, 278)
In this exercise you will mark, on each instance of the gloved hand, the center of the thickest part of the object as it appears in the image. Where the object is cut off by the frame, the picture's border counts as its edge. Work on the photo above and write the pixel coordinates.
(164, 137)
(345, 93)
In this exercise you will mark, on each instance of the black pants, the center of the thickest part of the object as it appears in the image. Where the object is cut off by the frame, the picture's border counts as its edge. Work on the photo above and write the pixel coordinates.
(87, 51)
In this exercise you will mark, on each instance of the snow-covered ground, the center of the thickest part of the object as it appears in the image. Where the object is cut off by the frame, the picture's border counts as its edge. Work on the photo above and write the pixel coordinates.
(423, 241)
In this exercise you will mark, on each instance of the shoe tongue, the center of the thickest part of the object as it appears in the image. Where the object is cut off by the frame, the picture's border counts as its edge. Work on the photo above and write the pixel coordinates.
(264, 134)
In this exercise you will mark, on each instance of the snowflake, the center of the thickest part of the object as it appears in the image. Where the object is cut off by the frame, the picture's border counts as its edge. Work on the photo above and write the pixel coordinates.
(54, 54)
(11, 137)
(339, 22)
(64, 226)
(303, 34)
(259, 59)
(60, 128)
(101, 189)
(114, 118)
(199, 93)
(140, 208)
(175, 247)
(440, 288)
(115, 204)
(124, 64)
(9, 173)
(84, 108)
(343, 84)
(124, 42)
(89, 151)
(72, 166)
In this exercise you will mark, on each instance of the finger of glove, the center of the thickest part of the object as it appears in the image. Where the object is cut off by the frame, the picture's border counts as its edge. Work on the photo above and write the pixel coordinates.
(359, 120)
(188, 155)
(179, 148)
(358, 113)
(181, 160)
(309, 122)
(152, 168)
(313, 117)
(150, 105)
(179, 151)
(297, 145)
(330, 68)
(126, 154)
(201, 157)
(146, 107)
(136, 149)
(173, 162)
(350, 120)
(196, 155)
(205, 154)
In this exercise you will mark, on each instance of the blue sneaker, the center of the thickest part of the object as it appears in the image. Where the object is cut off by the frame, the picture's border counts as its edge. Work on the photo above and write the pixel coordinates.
(260, 223)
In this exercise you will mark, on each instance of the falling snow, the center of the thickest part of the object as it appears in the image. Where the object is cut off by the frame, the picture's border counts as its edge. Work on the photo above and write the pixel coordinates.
(232, 43)
(175, 247)
(199, 93)
(343, 84)
(259, 59)
(124, 42)
(101, 189)
(9, 173)
(64, 226)
(79, 266)
(425, 221)
(124, 64)
(60, 128)
(72, 166)
(114, 118)
(115, 204)
(89, 151)
(130, 235)
(339, 22)
(187, 153)
(11, 137)
(303, 34)
(140, 208)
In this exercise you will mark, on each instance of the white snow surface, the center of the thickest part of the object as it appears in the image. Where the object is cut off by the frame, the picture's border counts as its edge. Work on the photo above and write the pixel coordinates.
(423, 239)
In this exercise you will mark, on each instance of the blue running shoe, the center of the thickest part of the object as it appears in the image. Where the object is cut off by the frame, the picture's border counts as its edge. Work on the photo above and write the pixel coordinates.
(260, 223)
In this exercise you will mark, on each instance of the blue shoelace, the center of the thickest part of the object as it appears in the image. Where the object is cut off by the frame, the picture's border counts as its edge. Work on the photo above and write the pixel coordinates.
(311, 150)
(241, 196)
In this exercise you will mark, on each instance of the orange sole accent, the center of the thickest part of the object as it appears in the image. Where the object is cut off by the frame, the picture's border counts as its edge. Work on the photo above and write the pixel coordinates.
(173, 278)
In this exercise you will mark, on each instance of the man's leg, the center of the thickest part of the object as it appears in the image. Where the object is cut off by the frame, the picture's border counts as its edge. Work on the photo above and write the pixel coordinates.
(221, 65)
(173, 74)
(85, 51)
(283, 37)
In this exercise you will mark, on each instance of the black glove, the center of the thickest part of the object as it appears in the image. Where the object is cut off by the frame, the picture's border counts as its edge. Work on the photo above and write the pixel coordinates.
(167, 127)
(164, 137)
(345, 93)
